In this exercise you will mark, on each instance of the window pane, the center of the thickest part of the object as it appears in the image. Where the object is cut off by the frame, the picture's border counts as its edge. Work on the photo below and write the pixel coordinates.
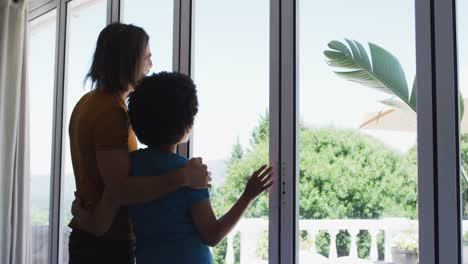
(86, 18)
(41, 66)
(462, 37)
(157, 18)
(358, 163)
(231, 71)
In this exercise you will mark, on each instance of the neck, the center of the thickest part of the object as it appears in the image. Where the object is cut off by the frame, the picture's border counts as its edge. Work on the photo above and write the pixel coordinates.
(125, 94)
(168, 149)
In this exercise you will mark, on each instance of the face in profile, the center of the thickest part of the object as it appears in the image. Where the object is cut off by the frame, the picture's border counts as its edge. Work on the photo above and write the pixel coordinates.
(146, 63)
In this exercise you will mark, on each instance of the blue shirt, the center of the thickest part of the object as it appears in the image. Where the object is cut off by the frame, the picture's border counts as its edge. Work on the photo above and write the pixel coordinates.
(164, 229)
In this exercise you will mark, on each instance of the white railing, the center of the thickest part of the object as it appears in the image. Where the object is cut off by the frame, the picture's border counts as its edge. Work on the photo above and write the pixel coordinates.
(251, 231)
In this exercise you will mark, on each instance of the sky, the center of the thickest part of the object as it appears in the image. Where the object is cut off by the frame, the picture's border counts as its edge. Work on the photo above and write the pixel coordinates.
(231, 65)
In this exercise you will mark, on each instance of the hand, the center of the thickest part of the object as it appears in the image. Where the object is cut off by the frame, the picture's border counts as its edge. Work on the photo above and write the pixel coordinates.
(258, 182)
(196, 174)
(96, 219)
(77, 209)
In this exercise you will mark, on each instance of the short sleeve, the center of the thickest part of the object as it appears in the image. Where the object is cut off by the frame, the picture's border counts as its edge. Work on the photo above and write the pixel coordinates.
(197, 196)
(111, 130)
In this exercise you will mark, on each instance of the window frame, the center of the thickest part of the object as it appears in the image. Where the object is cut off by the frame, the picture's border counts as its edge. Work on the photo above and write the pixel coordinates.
(439, 194)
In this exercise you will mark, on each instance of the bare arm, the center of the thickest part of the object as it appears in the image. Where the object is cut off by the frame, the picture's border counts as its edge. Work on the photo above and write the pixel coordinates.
(212, 230)
(97, 219)
(114, 166)
(122, 189)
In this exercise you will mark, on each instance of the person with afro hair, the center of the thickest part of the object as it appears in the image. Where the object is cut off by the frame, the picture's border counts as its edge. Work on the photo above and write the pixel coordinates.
(179, 227)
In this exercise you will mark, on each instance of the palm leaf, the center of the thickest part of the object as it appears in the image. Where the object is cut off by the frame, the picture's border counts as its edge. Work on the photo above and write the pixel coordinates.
(384, 73)
(412, 100)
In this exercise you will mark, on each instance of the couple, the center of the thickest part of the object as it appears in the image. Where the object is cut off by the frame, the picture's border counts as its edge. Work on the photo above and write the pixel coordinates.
(153, 193)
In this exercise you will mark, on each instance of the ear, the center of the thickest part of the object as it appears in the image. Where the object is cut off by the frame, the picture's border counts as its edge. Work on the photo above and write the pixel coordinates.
(186, 136)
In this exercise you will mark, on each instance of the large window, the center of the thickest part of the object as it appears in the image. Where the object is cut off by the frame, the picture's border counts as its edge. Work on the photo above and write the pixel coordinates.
(41, 63)
(231, 71)
(357, 197)
(85, 20)
(358, 163)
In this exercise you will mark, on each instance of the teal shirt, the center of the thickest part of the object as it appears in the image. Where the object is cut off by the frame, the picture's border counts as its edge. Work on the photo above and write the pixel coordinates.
(164, 229)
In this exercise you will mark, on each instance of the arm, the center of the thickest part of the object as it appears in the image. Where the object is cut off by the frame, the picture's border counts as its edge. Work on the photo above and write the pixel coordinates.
(212, 230)
(122, 189)
(114, 168)
(95, 220)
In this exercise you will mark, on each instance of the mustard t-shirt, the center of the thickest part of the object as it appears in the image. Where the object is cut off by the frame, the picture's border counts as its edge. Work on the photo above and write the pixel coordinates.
(99, 121)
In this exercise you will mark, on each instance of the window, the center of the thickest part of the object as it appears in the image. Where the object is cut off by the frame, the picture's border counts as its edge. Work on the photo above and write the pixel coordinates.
(358, 163)
(41, 64)
(85, 20)
(156, 18)
(231, 132)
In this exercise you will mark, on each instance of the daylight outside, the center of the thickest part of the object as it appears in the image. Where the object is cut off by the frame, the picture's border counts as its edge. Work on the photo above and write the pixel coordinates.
(357, 138)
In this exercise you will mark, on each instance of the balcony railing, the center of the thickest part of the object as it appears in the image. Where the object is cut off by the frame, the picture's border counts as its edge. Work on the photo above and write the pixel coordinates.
(251, 231)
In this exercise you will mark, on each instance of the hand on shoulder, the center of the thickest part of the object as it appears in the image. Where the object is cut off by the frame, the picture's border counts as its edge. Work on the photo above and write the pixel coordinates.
(196, 175)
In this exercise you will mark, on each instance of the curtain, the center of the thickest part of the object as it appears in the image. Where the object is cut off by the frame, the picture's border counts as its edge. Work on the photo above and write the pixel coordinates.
(14, 138)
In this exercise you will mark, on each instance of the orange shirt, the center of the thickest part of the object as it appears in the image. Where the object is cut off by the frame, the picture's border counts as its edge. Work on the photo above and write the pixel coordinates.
(99, 121)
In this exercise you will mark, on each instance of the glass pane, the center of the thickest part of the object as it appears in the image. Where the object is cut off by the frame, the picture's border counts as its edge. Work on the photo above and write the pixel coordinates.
(86, 18)
(358, 163)
(231, 71)
(462, 36)
(157, 18)
(41, 65)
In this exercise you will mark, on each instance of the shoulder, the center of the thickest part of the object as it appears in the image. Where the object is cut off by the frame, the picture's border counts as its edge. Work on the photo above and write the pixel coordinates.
(163, 161)
(180, 159)
(152, 162)
(108, 109)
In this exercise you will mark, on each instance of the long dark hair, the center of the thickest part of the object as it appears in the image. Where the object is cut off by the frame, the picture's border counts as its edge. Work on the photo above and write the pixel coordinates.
(116, 60)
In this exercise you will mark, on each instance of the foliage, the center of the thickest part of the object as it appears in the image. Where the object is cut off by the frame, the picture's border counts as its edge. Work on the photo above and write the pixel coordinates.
(379, 70)
(384, 74)
(39, 217)
(407, 239)
(343, 174)
(237, 152)
(358, 177)
(464, 161)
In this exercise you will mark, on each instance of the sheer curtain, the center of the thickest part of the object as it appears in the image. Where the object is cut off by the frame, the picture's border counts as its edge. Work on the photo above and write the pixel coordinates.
(14, 164)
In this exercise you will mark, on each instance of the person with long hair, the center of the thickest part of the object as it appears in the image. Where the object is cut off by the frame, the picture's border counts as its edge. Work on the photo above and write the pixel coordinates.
(101, 139)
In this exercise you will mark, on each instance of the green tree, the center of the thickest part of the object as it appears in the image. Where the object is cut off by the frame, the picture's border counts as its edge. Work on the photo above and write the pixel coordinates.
(237, 152)
(343, 174)
(464, 161)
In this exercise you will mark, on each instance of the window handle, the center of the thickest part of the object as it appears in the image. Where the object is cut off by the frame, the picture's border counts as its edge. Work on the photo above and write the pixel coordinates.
(283, 182)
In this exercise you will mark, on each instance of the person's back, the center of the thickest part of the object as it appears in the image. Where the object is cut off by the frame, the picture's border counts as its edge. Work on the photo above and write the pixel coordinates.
(164, 228)
(179, 227)
(98, 107)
